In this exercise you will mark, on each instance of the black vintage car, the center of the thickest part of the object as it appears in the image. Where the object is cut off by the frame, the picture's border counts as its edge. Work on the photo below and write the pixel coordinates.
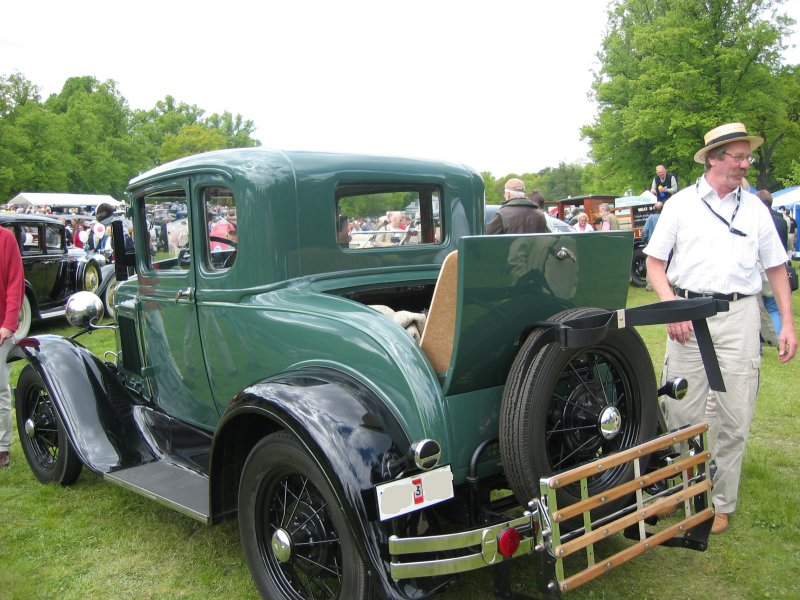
(52, 271)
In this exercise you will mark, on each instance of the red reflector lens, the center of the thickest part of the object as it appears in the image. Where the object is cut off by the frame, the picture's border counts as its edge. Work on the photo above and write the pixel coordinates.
(508, 542)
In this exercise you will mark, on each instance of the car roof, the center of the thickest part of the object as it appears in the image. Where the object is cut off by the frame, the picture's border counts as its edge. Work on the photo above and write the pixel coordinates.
(260, 164)
(27, 218)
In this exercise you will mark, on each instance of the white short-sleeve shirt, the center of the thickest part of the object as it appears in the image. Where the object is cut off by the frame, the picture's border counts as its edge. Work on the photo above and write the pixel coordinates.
(707, 256)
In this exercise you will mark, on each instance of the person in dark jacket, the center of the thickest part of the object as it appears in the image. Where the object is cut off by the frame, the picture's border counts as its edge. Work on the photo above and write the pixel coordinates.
(518, 214)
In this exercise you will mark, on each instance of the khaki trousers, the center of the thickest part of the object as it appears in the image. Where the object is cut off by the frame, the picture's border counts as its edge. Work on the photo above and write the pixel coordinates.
(5, 396)
(736, 341)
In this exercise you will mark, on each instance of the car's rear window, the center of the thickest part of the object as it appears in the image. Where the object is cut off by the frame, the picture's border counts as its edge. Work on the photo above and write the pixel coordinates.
(381, 215)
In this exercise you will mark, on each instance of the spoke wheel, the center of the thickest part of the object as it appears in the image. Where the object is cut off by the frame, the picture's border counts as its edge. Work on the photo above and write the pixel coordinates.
(295, 536)
(47, 448)
(564, 407)
(91, 277)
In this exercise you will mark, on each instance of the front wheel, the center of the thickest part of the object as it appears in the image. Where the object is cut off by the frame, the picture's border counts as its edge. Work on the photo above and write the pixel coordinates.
(563, 407)
(42, 434)
(639, 268)
(295, 536)
(91, 277)
(108, 298)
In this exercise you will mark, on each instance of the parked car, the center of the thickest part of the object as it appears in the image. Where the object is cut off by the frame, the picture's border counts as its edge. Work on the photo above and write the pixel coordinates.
(52, 271)
(364, 411)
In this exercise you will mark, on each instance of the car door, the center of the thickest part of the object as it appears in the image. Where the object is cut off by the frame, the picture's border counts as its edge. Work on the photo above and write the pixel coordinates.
(174, 369)
(35, 263)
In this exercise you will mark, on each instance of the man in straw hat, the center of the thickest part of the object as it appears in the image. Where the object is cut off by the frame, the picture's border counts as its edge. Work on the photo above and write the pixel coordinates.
(518, 214)
(717, 233)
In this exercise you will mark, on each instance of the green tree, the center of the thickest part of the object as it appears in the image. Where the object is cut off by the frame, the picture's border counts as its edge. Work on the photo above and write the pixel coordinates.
(562, 181)
(175, 129)
(191, 139)
(16, 90)
(673, 69)
(35, 152)
(238, 132)
(103, 155)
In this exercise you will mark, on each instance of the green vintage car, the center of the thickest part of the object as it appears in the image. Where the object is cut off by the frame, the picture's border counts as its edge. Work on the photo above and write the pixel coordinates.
(381, 402)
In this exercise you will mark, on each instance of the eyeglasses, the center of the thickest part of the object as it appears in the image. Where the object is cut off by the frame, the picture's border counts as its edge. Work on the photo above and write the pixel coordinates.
(740, 157)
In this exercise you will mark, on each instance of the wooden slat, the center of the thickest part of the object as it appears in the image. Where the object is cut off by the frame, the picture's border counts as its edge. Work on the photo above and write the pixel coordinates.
(613, 460)
(613, 527)
(630, 487)
(633, 551)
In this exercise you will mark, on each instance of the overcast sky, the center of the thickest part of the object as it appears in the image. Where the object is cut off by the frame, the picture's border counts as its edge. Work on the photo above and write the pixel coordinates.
(501, 86)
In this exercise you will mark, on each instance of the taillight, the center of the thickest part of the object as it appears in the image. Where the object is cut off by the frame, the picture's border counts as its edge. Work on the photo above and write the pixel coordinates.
(508, 542)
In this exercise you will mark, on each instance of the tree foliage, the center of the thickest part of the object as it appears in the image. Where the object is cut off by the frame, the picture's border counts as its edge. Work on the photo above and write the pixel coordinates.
(674, 69)
(86, 139)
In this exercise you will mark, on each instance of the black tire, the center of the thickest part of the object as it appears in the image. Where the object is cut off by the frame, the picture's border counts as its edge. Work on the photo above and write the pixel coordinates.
(553, 403)
(301, 547)
(91, 277)
(639, 268)
(42, 434)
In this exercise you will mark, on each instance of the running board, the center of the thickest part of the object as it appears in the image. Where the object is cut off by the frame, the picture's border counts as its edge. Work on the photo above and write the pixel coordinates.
(686, 485)
(170, 484)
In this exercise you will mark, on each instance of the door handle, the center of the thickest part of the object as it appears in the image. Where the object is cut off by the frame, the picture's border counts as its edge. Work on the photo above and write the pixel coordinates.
(565, 253)
(187, 293)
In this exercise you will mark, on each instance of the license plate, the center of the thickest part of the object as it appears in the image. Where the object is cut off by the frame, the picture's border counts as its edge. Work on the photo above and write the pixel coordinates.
(406, 495)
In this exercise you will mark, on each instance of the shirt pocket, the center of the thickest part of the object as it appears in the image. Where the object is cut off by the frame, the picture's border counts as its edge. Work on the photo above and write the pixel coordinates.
(744, 251)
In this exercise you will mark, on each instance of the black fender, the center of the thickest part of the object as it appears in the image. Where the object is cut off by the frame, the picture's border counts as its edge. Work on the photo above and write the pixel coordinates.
(345, 428)
(107, 275)
(96, 410)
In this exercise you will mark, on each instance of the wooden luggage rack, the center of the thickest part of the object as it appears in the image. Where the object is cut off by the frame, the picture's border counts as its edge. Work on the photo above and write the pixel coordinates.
(686, 484)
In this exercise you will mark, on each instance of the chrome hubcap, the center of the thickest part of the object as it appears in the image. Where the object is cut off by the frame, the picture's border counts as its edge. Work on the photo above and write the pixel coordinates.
(30, 428)
(610, 422)
(281, 545)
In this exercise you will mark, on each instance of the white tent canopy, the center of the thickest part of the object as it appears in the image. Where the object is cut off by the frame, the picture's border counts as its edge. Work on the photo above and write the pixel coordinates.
(62, 201)
(789, 198)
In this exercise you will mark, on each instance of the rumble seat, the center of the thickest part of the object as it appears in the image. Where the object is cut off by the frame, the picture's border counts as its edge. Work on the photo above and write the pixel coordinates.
(439, 333)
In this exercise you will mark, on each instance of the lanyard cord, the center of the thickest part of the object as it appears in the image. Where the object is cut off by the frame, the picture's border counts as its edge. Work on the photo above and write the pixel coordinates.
(730, 226)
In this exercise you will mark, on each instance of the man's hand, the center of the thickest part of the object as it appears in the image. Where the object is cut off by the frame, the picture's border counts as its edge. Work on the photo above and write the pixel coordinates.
(680, 332)
(787, 342)
(5, 334)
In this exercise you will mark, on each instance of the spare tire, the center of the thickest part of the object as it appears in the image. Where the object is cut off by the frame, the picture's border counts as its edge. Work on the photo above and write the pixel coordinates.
(564, 407)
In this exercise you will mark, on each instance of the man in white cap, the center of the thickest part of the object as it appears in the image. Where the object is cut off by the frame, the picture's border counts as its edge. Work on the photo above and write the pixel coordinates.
(718, 233)
(518, 214)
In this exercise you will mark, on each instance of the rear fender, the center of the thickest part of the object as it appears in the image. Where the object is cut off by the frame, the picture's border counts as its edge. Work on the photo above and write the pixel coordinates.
(96, 410)
(343, 426)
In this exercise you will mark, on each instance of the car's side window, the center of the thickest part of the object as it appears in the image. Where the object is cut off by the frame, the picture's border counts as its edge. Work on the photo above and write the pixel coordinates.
(219, 206)
(370, 215)
(167, 231)
(52, 236)
(30, 239)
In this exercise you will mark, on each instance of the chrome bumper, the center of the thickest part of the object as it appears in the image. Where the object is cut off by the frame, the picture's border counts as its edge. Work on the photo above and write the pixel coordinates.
(686, 485)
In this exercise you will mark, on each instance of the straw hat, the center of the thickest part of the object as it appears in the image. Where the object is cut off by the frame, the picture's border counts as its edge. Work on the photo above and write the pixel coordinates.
(725, 134)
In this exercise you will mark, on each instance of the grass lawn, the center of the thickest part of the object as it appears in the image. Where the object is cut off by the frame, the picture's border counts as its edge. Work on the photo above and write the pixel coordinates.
(96, 540)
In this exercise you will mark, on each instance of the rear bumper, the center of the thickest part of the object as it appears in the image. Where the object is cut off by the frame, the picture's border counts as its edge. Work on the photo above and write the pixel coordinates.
(683, 483)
